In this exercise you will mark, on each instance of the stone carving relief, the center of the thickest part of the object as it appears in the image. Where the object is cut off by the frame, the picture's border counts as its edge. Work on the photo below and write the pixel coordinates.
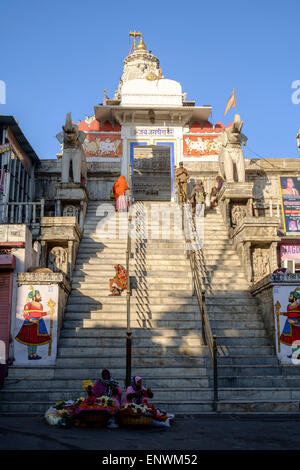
(238, 213)
(70, 211)
(58, 260)
(261, 263)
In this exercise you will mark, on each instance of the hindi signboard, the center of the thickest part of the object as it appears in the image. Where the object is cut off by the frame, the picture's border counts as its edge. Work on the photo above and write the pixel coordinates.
(290, 200)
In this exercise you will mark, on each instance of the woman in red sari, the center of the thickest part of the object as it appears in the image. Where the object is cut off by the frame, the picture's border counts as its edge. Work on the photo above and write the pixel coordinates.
(119, 189)
(119, 282)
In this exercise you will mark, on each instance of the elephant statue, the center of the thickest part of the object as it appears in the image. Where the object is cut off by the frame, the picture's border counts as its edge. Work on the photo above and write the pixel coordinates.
(231, 152)
(73, 153)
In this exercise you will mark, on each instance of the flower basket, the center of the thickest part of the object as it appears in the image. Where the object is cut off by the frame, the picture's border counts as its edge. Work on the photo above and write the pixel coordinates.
(97, 418)
(135, 420)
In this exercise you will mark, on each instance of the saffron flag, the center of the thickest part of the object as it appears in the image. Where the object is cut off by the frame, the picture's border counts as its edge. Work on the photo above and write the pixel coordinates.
(131, 48)
(231, 102)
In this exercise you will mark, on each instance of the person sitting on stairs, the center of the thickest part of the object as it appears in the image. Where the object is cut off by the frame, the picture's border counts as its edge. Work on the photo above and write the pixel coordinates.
(119, 282)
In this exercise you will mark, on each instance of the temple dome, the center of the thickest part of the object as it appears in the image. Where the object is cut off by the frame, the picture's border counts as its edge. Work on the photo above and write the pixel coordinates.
(151, 92)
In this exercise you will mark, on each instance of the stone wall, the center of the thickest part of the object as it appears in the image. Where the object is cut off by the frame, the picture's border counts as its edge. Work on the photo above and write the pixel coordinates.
(100, 179)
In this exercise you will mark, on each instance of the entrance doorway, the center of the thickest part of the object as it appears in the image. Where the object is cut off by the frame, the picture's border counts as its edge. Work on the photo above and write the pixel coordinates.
(152, 180)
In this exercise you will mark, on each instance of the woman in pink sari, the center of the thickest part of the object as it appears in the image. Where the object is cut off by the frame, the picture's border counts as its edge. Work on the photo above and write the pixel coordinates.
(107, 386)
(138, 394)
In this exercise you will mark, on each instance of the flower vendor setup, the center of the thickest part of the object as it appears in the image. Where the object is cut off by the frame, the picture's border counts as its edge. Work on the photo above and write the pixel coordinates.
(104, 411)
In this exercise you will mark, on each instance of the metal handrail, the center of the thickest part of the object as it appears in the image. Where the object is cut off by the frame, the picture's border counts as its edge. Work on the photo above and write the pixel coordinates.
(208, 338)
(128, 251)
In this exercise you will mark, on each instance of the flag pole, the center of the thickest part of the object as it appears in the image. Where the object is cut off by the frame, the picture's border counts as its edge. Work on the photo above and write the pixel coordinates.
(51, 304)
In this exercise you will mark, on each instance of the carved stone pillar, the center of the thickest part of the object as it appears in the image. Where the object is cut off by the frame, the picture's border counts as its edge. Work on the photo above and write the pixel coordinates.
(70, 257)
(58, 208)
(43, 254)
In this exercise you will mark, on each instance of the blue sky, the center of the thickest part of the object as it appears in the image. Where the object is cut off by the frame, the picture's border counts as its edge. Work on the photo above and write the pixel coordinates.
(59, 56)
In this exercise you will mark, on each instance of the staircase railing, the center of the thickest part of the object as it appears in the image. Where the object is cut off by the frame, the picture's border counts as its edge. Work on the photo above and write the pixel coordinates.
(21, 212)
(209, 339)
(128, 252)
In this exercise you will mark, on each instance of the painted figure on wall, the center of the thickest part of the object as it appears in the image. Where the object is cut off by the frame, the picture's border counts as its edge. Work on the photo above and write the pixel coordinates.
(291, 330)
(33, 332)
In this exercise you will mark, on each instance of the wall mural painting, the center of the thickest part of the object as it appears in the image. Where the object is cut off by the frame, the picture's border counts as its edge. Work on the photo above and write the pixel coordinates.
(287, 323)
(36, 325)
(102, 145)
(196, 146)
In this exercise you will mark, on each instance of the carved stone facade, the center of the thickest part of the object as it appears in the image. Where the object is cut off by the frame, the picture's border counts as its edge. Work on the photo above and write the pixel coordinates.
(58, 259)
(60, 237)
(260, 263)
(238, 213)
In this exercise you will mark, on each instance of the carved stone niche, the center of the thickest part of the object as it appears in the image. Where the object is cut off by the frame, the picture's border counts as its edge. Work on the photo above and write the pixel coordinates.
(235, 202)
(58, 260)
(238, 213)
(260, 257)
(60, 237)
(71, 211)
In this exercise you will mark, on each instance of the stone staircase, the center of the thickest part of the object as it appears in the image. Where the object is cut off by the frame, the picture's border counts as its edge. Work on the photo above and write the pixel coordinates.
(250, 377)
(167, 348)
(168, 351)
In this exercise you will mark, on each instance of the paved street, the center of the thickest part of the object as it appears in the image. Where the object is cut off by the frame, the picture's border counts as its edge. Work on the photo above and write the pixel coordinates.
(187, 433)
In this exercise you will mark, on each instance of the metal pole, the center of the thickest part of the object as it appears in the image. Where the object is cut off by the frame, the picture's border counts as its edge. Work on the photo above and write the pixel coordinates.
(128, 251)
(215, 363)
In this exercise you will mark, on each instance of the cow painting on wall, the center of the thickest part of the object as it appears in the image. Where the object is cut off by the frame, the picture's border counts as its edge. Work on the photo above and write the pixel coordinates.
(102, 145)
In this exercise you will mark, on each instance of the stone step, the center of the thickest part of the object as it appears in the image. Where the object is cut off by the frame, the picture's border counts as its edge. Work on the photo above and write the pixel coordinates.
(150, 277)
(93, 303)
(248, 360)
(244, 370)
(39, 395)
(232, 324)
(230, 275)
(102, 261)
(265, 381)
(217, 262)
(169, 290)
(82, 339)
(251, 350)
(77, 362)
(228, 298)
(244, 341)
(34, 383)
(135, 323)
(238, 395)
(234, 312)
(216, 285)
(175, 407)
(258, 406)
(152, 351)
(136, 315)
(87, 371)
(103, 270)
(240, 332)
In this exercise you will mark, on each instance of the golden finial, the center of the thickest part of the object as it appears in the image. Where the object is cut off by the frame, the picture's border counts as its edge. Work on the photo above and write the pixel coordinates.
(134, 35)
(141, 45)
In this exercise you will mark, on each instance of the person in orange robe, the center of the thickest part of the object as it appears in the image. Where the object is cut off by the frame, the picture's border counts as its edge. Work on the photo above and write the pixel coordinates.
(119, 189)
